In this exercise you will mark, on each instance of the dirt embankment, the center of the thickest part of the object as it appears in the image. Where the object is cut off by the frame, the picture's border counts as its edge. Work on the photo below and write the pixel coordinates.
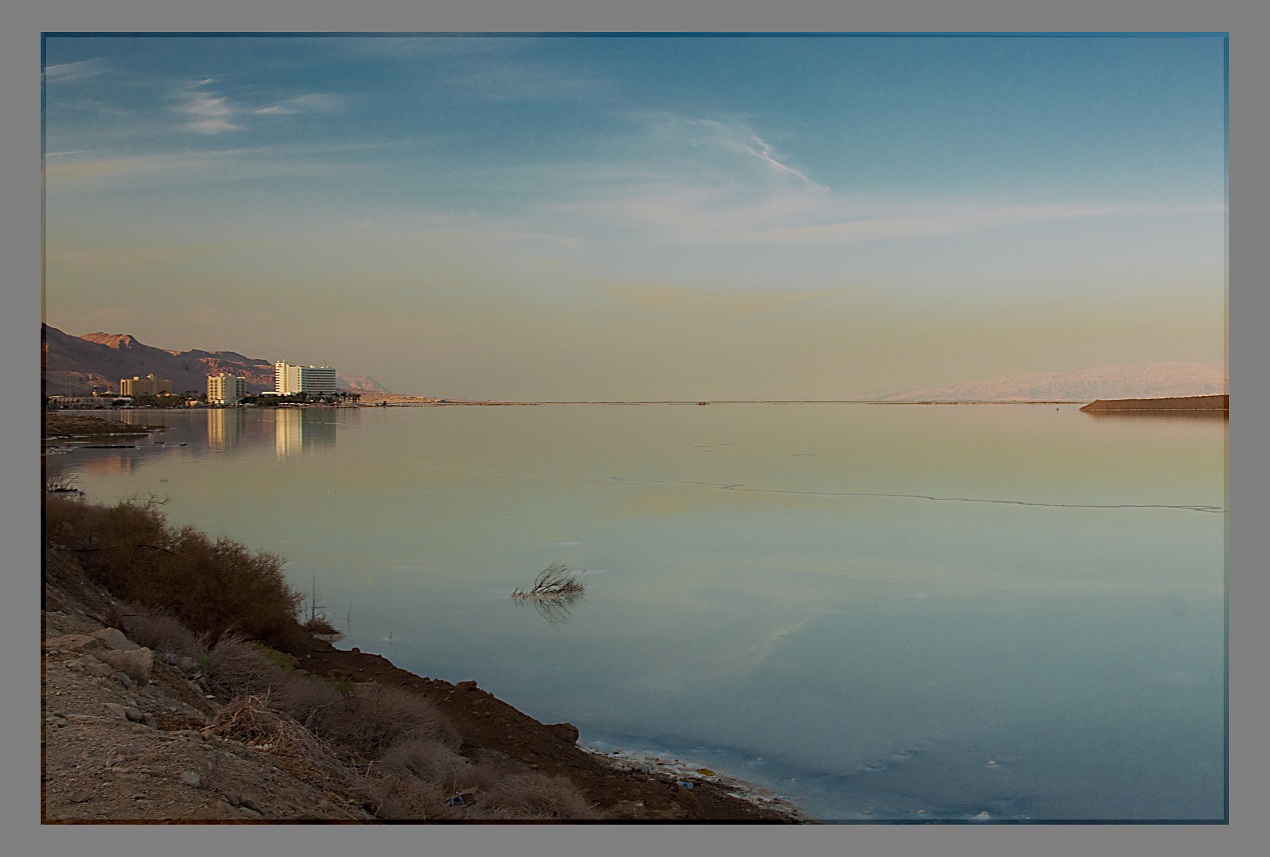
(1179, 403)
(78, 425)
(130, 736)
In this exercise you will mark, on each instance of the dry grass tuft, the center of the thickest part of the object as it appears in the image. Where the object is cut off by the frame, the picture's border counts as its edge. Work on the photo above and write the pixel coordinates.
(237, 668)
(399, 797)
(533, 796)
(251, 721)
(431, 762)
(376, 717)
(162, 633)
(303, 698)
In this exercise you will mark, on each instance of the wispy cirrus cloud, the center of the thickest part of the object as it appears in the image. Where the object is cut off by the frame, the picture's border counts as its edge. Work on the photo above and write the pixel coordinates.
(932, 219)
(313, 102)
(209, 112)
(205, 112)
(73, 70)
(711, 182)
(722, 145)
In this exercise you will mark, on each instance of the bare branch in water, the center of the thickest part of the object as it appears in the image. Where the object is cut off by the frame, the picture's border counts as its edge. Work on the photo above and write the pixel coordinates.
(554, 593)
(554, 582)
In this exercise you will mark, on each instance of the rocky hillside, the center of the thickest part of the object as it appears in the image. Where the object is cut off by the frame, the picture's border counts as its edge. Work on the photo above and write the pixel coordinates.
(73, 365)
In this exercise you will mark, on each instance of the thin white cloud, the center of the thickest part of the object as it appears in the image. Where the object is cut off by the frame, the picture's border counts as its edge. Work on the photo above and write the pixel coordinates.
(210, 113)
(314, 102)
(206, 113)
(932, 220)
(73, 70)
(721, 145)
(764, 152)
(705, 181)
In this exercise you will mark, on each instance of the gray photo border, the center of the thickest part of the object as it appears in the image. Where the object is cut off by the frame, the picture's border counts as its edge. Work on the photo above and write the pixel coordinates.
(22, 310)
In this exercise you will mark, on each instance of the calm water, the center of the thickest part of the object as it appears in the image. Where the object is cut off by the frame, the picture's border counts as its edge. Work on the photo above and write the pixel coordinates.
(886, 613)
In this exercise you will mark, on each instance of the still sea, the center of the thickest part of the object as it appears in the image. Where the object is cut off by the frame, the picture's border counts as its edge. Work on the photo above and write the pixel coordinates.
(886, 613)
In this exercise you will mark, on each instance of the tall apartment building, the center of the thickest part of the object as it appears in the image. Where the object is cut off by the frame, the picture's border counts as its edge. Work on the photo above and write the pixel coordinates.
(290, 379)
(147, 386)
(225, 389)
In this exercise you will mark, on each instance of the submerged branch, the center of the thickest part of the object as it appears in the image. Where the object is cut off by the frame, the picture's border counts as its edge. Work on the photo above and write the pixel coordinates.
(555, 582)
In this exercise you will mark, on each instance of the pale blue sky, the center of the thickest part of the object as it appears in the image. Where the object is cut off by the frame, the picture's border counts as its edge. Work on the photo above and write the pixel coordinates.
(643, 217)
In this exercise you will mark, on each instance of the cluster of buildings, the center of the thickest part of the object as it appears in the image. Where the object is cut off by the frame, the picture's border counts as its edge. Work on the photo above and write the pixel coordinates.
(316, 383)
(290, 379)
(147, 386)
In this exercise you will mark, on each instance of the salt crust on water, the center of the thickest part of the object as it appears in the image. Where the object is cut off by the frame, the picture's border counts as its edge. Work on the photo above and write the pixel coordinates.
(687, 772)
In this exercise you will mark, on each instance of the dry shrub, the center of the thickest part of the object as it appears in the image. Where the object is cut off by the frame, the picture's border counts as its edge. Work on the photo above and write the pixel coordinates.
(251, 721)
(320, 627)
(532, 796)
(218, 585)
(377, 716)
(162, 633)
(431, 762)
(399, 797)
(237, 668)
(303, 698)
(209, 585)
(68, 520)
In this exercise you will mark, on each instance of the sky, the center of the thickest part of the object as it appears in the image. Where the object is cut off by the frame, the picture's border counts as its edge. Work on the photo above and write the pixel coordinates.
(643, 217)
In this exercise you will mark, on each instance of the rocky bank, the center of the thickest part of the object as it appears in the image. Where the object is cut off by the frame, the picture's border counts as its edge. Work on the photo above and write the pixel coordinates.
(131, 736)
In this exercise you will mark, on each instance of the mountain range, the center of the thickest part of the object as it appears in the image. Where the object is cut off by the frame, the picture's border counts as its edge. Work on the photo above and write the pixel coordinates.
(74, 365)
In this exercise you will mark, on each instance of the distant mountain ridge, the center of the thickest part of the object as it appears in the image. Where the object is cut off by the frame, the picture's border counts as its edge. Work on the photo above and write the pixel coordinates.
(1144, 381)
(73, 365)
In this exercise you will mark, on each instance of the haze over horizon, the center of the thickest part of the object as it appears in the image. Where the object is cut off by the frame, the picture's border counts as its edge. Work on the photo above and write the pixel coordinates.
(571, 217)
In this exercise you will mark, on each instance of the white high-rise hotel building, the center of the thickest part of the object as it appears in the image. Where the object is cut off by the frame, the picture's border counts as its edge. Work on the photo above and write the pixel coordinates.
(225, 389)
(315, 380)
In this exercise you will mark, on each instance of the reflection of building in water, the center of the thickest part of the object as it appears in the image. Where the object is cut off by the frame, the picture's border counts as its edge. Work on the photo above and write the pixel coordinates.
(142, 418)
(112, 464)
(224, 425)
(303, 430)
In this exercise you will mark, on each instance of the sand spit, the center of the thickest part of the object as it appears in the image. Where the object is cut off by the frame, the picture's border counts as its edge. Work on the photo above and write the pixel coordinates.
(1165, 405)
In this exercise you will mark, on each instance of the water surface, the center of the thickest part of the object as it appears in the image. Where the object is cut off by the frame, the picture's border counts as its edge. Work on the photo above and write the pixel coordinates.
(884, 612)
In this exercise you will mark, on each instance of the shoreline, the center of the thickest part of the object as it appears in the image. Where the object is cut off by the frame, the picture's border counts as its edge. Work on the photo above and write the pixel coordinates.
(632, 785)
(692, 774)
(504, 742)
